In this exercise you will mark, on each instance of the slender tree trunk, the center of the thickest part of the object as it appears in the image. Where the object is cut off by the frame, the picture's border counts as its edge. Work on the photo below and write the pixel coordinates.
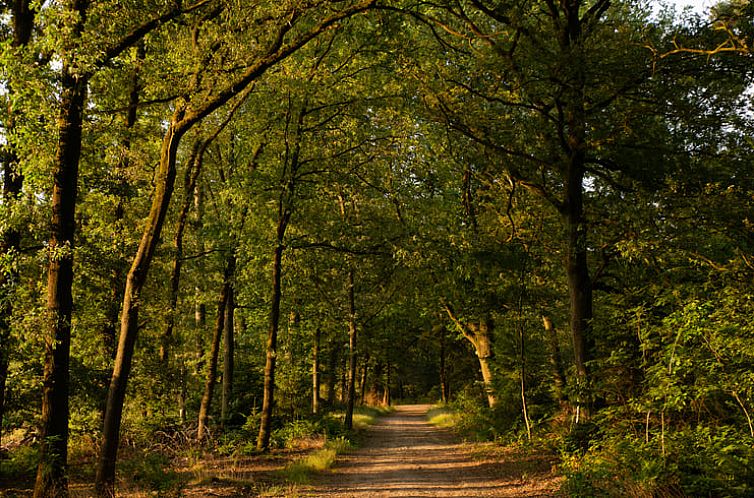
(558, 377)
(332, 374)
(189, 182)
(229, 343)
(315, 371)
(386, 401)
(52, 480)
(522, 361)
(352, 357)
(214, 352)
(343, 394)
(364, 378)
(10, 237)
(200, 309)
(105, 480)
(443, 371)
(200, 325)
(265, 427)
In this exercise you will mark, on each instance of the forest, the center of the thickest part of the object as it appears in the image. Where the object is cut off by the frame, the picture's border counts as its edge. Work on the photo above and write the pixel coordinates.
(228, 221)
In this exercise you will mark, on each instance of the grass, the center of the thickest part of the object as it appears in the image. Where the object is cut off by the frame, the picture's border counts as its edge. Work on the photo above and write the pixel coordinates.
(364, 416)
(300, 471)
(441, 416)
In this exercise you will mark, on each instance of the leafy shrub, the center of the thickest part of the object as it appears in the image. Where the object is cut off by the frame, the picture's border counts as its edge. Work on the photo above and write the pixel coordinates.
(297, 429)
(697, 462)
(152, 471)
(21, 463)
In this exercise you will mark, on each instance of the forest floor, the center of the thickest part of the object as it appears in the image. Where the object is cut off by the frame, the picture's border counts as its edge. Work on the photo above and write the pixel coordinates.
(404, 456)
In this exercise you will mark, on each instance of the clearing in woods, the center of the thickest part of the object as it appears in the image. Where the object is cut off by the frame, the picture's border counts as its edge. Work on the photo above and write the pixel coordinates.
(403, 455)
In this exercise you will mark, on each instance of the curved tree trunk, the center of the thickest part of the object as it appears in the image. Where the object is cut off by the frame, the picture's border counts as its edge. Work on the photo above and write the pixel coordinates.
(105, 480)
(480, 335)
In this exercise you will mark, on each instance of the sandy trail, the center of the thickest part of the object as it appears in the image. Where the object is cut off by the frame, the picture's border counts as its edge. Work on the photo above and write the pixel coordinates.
(404, 456)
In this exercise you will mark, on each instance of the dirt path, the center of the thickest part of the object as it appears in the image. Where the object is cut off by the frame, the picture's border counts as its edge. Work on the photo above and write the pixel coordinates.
(404, 456)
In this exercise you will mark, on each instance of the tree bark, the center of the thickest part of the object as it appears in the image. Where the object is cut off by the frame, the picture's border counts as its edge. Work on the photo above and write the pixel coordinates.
(483, 345)
(229, 343)
(10, 238)
(214, 352)
(52, 479)
(351, 395)
(315, 371)
(480, 335)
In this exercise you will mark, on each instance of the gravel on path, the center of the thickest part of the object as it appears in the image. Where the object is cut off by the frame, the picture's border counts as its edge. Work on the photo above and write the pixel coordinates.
(404, 456)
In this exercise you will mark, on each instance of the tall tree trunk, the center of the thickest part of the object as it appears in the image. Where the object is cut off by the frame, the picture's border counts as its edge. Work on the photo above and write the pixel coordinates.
(348, 423)
(577, 269)
(558, 377)
(229, 343)
(52, 477)
(214, 352)
(137, 275)
(315, 371)
(265, 426)
(10, 238)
